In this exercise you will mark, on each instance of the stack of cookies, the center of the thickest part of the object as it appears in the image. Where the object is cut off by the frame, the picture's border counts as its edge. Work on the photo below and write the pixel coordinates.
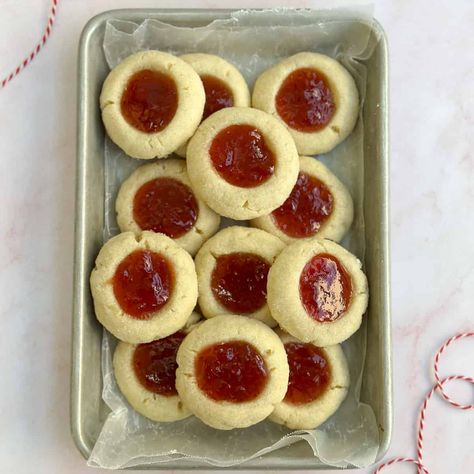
(243, 323)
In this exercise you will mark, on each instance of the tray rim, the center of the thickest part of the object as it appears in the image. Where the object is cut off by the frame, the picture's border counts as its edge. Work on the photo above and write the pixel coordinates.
(124, 14)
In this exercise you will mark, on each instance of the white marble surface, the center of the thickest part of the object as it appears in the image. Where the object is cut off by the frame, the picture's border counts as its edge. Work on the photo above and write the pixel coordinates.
(432, 178)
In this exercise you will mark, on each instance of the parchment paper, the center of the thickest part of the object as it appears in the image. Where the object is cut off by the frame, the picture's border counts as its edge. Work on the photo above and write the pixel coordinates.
(350, 437)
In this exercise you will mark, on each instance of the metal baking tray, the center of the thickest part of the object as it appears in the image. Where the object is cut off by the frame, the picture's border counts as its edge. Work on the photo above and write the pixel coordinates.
(88, 410)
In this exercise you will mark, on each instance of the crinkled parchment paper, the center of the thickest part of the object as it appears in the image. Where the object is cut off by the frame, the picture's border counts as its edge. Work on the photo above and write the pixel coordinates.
(253, 42)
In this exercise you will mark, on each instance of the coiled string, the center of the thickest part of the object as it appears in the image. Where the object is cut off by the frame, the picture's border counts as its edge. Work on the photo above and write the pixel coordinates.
(439, 387)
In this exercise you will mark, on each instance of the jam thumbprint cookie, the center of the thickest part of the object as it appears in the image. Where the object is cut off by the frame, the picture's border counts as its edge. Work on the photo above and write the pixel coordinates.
(319, 204)
(317, 292)
(232, 371)
(314, 95)
(242, 162)
(318, 384)
(151, 103)
(144, 287)
(146, 375)
(158, 197)
(232, 269)
(223, 84)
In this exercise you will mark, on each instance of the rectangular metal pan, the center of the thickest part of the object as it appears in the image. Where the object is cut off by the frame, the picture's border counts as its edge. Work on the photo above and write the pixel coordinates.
(88, 411)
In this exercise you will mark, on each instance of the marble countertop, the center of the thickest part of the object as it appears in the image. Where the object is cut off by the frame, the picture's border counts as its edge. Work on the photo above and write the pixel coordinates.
(432, 195)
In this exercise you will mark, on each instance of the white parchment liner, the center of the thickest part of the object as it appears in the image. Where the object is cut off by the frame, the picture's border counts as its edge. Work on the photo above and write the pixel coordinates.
(252, 41)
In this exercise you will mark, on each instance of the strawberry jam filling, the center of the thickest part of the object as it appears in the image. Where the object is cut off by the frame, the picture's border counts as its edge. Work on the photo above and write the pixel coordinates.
(241, 156)
(307, 208)
(165, 205)
(231, 371)
(239, 282)
(325, 288)
(155, 364)
(143, 283)
(149, 101)
(305, 101)
(310, 373)
(218, 95)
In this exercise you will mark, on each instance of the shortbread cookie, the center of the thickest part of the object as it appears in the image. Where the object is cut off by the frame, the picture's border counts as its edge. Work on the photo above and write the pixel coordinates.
(314, 95)
(318, 205)
(151, 103)
(242, 162)
(318, 384)
(232, 371)
(146, 374)
(232, 269)
(317, 292)
(158, 197)
(223, 84)
(144, 287)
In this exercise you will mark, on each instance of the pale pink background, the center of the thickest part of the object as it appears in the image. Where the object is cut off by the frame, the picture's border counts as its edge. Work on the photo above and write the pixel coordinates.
(432, 188)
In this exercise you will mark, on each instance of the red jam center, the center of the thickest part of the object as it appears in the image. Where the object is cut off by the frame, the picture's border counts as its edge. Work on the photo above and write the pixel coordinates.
(239, 282)
(143, 283)
(218, 95)
(306, 209)
(231, 371)
(165, 205)
(310, 373)
(325, 288)
(149, 101)
(241, 156)
(305, 101)
(155, 364)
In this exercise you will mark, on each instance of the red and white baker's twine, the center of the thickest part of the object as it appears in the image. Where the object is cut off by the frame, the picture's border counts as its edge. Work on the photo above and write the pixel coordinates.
(439, 387)
(37, 48)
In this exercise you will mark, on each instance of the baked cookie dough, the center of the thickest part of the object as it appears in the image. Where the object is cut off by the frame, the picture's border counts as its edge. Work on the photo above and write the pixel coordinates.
(318, 205)
(144, 287)
(314, 95)
(145, 374)
(151, 103)
(318, 384)
(232, 371)
(232, 269)
(317, 292)
(242, 162)
(158, 197)
(223, 84)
